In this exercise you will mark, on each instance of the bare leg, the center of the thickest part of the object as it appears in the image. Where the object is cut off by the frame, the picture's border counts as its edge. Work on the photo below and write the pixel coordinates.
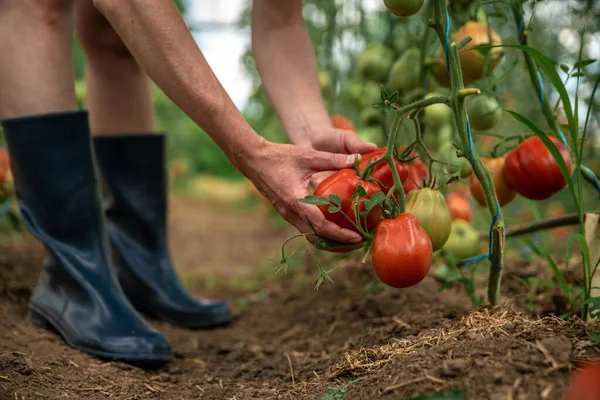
(36, 68)
(119, 97)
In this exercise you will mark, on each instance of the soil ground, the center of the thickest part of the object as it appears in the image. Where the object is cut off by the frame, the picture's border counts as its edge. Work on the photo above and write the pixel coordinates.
(290, 341)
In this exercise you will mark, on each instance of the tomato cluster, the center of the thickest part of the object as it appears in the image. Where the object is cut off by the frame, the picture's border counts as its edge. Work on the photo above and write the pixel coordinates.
(529, 170)
(403, 245)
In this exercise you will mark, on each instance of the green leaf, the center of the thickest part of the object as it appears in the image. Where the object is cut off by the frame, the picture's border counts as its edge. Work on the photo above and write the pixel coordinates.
(360, 191)
(315, 200)
(394, 97)
(375, 200)
(550, 146)
(584, 63)
(333, 209)
(578, 75)
(562, 283)
(335, 199)
(565, 68)
(549, 67)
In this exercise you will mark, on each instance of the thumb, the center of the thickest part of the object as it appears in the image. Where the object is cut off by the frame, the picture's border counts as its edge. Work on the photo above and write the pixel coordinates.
(324, 161)
(354, 144)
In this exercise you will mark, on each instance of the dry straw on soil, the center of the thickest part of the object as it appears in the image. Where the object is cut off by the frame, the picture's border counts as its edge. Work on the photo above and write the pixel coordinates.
(486, 323)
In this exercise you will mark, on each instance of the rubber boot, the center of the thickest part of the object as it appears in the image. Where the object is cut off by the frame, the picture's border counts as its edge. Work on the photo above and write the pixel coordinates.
(58, 192)
(136, 186)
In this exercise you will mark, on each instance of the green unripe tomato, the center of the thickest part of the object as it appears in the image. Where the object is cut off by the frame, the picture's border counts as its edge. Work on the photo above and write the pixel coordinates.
(436, 115)
(371, 117)
(404, 8)
(374, 62)
(372, 134)
(405, 72)
(371, 93)
(430, 209)
(354, 94)
(463, 241)
(484, 112)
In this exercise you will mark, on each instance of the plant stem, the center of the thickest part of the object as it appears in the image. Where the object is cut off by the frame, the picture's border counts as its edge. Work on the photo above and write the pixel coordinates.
(457, 105)
(533, 73)
(422, 103)
(424, 47)
(389, 158)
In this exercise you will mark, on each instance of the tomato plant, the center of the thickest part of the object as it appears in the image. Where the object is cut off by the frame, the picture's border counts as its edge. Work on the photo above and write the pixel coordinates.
(458, 207)
(344, 184)
(503, 190)
(532, 171)
(429, 206)
(382, 172)
(402, 251)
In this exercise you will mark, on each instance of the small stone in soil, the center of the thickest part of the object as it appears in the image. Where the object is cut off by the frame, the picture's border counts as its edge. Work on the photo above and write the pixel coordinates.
(454, 367)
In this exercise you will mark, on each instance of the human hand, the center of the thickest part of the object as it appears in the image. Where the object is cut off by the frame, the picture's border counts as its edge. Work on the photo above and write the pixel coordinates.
(330, 139)
(282, 172)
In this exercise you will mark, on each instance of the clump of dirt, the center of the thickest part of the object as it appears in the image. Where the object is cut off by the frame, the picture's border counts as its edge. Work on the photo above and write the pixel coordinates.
(290, 341)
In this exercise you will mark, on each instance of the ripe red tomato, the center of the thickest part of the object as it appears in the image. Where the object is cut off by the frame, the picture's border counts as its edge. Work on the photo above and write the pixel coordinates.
(382, 171)
(341, 122)
(4, 165)
(417, 171)
(343, 184)
(402, 251)
(504, 192)
(585, 383)
(459, 207)
(532, 171)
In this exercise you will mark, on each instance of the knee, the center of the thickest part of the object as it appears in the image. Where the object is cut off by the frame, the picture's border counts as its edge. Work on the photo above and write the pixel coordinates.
(99, 40)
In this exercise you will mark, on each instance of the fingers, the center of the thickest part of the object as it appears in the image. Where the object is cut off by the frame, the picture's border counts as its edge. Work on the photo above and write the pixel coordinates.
(354, 144)
(327, 228)
(324, 161)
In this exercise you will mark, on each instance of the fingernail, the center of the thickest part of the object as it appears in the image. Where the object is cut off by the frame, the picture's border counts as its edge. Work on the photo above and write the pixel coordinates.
(356, 240)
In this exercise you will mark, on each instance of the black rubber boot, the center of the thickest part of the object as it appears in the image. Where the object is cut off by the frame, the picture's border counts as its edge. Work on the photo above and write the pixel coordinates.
(59, 198)
(135, 175)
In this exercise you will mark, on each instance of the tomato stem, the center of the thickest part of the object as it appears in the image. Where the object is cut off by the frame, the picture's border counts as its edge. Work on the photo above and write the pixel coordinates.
(389, 158)
(458, 107)
(422, 104)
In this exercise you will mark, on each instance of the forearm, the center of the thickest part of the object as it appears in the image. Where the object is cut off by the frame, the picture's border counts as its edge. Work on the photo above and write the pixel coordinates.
(157, 36)
(286, 63)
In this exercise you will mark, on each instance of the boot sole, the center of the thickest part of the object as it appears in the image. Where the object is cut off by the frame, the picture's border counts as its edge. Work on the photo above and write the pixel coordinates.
(214, 324)
(41, 321)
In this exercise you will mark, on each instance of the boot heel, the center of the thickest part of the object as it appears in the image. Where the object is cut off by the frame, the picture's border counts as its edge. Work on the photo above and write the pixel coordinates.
(38, 320)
